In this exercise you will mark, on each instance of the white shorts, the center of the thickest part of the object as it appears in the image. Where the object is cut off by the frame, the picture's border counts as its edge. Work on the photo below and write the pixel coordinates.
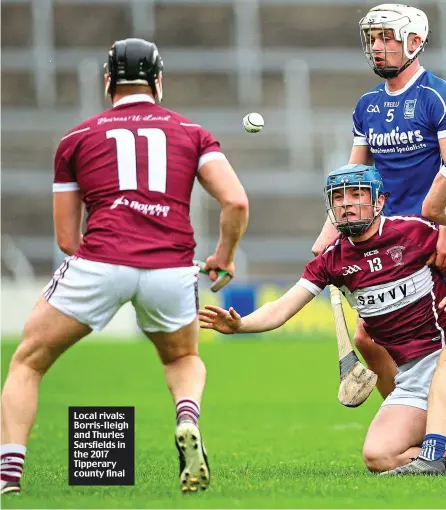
(413, 381)
(92, 292)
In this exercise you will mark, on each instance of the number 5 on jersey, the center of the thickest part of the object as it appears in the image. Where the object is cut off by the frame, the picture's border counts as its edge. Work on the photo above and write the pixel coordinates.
(126, 157)
(390, 114)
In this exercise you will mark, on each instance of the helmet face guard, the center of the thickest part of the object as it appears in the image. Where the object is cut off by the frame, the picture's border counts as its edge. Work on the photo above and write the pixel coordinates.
(353, 177)
(134, 62)
(385, 71)
(403, 21)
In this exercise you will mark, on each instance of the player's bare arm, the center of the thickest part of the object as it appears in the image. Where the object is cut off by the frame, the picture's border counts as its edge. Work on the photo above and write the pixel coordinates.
(326, 237)
(434, 208)
(219, 179)
(434, 205)
(435, 201)
(360, 155)
(67, 216)
(270, 316)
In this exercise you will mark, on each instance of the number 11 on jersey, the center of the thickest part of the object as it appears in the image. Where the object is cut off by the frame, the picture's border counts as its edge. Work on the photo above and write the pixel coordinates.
(126, 157)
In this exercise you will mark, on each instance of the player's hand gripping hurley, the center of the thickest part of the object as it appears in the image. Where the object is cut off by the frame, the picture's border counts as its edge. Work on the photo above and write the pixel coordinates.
(223, 277)
(357, 381)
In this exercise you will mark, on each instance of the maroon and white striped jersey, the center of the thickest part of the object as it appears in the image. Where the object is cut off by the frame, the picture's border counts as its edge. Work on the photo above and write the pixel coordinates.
(135, 165)
(387, 281)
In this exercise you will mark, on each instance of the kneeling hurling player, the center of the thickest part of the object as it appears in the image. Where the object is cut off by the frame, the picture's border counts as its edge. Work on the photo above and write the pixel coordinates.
(379, 263)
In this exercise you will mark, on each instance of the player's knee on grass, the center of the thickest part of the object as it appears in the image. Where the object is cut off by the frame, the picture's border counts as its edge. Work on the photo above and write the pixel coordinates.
(378, 457)
(375, 460)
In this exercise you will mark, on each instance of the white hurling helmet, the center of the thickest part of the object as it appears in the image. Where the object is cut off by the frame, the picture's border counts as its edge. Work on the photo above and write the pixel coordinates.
(403, 20)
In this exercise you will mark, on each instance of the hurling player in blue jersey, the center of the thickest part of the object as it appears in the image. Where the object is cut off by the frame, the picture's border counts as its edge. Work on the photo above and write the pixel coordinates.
(401, 126)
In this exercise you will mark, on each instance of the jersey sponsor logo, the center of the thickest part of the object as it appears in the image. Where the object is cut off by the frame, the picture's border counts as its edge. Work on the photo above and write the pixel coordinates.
(119, 201)
(373, 108)
(391, 104)
(409, 108)
(146, 209)
(395, 141)
(386, 296)
(350, 270)
(396, 252)
(390, 296)
(370, 253)
(394, 137)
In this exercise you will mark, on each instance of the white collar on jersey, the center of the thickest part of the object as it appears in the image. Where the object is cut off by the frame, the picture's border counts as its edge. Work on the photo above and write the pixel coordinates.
(381, 224)
(135, 98)
(382, 219)
(408, 84)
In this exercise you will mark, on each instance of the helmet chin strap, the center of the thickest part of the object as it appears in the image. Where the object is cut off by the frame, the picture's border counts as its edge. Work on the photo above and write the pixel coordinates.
(158, 91)
(107, 89)
(355, 228)
(392, 72)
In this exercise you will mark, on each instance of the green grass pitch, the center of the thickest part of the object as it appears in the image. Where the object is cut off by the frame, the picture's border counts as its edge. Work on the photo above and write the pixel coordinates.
(275, 433)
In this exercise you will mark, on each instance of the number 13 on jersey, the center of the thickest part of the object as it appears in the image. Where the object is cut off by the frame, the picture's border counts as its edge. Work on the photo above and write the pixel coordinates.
(375, 264)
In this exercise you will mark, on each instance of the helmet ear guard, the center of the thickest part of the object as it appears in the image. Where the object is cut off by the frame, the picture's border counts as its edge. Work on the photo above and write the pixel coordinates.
(109, 90)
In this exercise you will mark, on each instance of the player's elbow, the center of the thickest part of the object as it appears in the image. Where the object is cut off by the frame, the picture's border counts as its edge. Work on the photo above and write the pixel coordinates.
(237, 204)
(431, 211)
(68, 249)
(67, 245)
(317, 248)
(240, 204)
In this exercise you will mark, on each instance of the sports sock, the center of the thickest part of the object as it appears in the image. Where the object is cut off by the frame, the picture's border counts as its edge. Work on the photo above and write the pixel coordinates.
(434, 446)
(12, 460)
(187, 410)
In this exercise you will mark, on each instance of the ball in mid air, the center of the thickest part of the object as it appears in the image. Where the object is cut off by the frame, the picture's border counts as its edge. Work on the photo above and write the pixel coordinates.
(253, 122)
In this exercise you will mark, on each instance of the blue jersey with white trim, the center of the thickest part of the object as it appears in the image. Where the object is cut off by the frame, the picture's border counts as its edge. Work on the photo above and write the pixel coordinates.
(402, 130)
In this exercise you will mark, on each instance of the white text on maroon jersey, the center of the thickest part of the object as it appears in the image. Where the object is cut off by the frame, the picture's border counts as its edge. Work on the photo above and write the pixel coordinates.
(388, 297)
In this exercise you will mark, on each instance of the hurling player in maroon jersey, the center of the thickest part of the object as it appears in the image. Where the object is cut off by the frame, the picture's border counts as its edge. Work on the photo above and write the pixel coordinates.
(133, 167)
(434, 444)
(380, 264)
(394, 37)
